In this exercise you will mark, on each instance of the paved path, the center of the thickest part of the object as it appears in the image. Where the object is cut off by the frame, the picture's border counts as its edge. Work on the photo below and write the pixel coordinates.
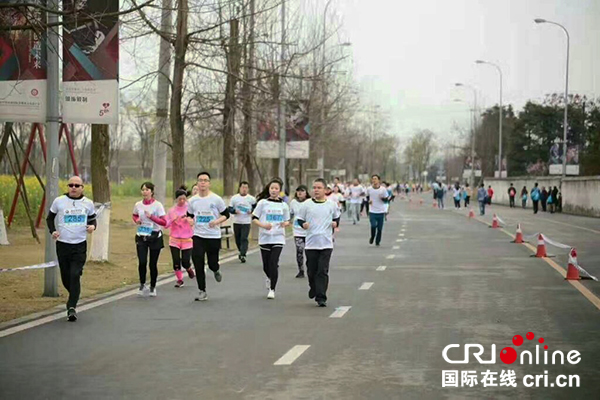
(447, 280)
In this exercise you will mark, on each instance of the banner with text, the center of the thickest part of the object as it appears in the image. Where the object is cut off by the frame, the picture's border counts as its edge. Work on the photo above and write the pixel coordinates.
(91, 62)
(22, 65)
(297, 132)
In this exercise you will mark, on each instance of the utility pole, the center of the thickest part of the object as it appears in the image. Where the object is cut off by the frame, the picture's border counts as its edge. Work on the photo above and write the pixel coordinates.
(52, 126)
(159, 165)
(281, 104)
(321, 160)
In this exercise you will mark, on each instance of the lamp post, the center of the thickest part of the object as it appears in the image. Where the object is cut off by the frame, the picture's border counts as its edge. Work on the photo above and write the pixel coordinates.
(565, 122)
(500, 123)
(473, 125)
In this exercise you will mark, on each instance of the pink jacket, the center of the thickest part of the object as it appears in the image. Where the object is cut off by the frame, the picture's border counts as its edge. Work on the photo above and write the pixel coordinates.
(178, 223)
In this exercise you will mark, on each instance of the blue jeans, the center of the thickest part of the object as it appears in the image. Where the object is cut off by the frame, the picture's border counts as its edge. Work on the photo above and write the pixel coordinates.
(482, 207)
(376, 226)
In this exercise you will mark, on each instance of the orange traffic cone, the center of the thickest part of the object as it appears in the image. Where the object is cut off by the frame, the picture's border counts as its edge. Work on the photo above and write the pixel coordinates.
(495, 222)
(471, 213)
(572, 271)
(541, 247)
(518, 235)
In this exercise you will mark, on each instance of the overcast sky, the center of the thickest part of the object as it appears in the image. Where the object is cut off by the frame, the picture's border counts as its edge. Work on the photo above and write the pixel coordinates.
(408, 54)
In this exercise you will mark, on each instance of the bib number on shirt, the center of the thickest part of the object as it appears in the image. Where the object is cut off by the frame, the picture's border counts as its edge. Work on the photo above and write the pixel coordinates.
(274, 218)
(243, 209)
(145, 229)
(204, 218)
(75, 218)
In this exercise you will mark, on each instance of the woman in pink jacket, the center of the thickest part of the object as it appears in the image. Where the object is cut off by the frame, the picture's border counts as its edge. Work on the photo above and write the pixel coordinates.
(180, 240)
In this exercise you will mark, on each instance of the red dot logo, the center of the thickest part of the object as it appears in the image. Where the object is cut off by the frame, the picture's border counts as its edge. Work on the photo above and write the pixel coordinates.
(517, 340)
(541, 340)
(546, 347)
(34, 92)
(530, 335)
(508, 355)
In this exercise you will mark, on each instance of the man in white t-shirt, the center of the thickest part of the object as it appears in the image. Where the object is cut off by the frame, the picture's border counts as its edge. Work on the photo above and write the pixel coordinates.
(377, 195)
(356, 194)
(241, 206)
(71, 218)
(319, 217)
(206, 212)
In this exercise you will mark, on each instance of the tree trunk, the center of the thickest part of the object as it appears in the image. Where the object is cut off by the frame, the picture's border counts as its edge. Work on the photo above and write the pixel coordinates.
(177, 125)
(159, 166)
(233, 55)
(249, 141)
(101, 191)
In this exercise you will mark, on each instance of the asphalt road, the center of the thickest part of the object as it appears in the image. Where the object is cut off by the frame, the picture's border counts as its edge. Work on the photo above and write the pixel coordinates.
(447, 280)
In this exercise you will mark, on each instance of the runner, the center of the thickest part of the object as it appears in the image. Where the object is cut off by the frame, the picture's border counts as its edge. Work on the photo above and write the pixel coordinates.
(206, 212)
(377, 197)
(241, 206)
(299, 233)
(342, 190)
(76, 218)
(180, 238)
(336, 197)
(272, 215)
(149, 215)
(318, 216)
(356, 193)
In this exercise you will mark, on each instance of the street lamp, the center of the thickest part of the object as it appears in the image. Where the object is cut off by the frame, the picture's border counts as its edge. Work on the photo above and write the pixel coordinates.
(500, 123)
(473, 124)
(565, 122)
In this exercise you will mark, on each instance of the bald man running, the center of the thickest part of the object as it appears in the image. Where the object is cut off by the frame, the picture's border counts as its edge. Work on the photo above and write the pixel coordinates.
(71, 218)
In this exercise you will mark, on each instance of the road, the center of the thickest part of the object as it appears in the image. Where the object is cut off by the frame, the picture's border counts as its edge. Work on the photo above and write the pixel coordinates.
(447, 280)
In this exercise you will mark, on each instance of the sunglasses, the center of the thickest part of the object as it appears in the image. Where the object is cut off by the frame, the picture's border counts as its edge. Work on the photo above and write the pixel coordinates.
(74, 185)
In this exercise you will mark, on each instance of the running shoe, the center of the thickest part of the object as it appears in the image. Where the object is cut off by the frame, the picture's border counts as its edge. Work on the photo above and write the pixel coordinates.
(191, 273)
(72, 315)
(271, 294)
(300, 274)
(321, 304)
(179, 284)
(202, 296)
(243, 259)
(142, 290)
(218, 276)
(152, 292)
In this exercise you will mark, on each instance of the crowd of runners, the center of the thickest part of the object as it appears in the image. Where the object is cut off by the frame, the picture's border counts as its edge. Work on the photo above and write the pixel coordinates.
(194, 223)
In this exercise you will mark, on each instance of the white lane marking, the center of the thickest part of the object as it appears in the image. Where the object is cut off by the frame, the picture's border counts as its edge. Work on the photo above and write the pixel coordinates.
(340, 311)
(292, 354)
(94, 304)
(401, 234)
(399, 240)
(381, 268)
(391, 257)
(366, 286)
(395, 247)
(403, 230)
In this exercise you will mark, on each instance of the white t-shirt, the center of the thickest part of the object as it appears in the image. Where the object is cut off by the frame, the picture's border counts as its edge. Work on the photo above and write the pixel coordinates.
(275, 213)
(71, 218)
(335, 198)
(295, 207)
(356, 194)
(319, 216)
(204, 210)
(376, 197)
(147, 225)
(243, 208)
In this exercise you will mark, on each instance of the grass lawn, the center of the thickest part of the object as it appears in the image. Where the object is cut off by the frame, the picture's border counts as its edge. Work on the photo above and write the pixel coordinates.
(21, 291)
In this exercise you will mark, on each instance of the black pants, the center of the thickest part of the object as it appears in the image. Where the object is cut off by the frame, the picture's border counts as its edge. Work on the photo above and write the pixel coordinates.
(145, 246)
(241, 232)
(536, 206)
(181, 258)
(300, 242)
(467, 201)
(511, 201)
(317, 266)
(270, 257)
(209, 248)
(543, 205)
(71, 259)
(364, 205)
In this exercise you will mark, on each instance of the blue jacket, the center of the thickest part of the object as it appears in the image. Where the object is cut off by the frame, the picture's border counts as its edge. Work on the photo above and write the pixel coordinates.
(481, 194)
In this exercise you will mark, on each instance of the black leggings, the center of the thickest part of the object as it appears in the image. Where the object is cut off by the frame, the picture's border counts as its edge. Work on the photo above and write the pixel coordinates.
(143, 248)
(209, 248)
(270, 257)
(71, 259)
(300, 242)
(181, 258)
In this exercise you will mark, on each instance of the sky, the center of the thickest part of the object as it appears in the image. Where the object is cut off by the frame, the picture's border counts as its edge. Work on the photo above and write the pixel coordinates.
(408, 55)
